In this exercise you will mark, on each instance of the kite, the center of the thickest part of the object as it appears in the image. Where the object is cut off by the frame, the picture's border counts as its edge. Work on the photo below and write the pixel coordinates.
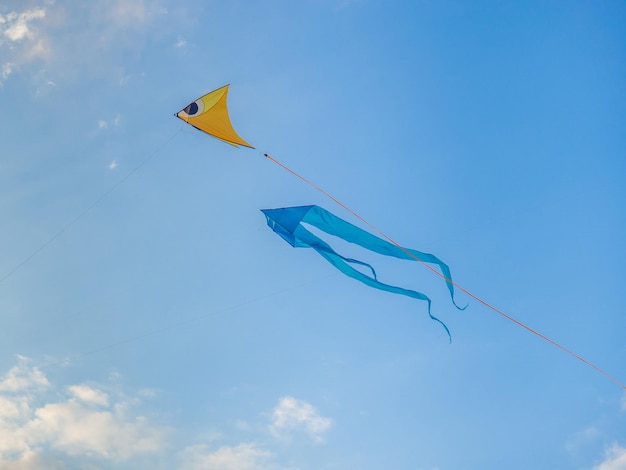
(209, 113)
(287, 222)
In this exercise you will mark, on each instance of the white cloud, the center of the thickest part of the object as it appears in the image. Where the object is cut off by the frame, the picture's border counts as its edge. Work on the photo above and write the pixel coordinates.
(289, 415)
(25, 43)
(113, 165)
(116, 122)
(34, 461)
(241, 457)
(6, 70)
(89, 395)
(242, 425)
(292, 414)
(582, 438)
(615, 459)
(129, 11)
(23, 377)
(77, 429)
(85, 423)
(18, 25)
(73, 40)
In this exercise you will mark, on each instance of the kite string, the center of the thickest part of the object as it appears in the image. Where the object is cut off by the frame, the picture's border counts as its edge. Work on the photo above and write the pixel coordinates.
(461, 288)
(87, 209)
(179, 324)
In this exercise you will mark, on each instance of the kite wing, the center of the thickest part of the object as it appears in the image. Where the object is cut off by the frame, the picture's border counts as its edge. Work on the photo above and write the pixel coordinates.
(287, 222)
(209, 113)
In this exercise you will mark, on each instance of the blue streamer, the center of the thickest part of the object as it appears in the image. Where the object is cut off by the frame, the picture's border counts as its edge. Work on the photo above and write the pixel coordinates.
(287, 222)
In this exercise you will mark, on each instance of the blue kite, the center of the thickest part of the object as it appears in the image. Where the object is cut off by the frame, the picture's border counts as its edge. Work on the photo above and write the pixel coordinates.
(287, 222)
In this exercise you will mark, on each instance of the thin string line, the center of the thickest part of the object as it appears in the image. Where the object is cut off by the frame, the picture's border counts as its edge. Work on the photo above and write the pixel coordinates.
(182, 323)
(87, 210)
(461, 288)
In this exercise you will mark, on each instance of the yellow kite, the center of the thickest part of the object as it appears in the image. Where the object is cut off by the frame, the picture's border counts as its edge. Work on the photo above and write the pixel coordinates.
(210, 114)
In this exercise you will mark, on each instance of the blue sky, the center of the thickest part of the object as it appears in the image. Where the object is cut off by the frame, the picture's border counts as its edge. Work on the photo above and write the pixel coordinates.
(150, 319)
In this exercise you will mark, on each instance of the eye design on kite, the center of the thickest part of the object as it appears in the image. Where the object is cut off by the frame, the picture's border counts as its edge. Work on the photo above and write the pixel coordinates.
(193, 109)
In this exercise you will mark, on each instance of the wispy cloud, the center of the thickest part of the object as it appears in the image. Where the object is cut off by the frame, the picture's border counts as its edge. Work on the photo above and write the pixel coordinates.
(129, 11)
(292, 415)
(22, 378)
(582, 438)
(21, 39)
(77, 40)
(104, 124)
(615, 459)
(134, 12)
(89, 395)
(6, 71)
(18, 26)
(240, 457)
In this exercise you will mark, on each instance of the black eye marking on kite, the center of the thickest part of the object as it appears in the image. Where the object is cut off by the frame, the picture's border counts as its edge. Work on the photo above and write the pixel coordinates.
(193, 109)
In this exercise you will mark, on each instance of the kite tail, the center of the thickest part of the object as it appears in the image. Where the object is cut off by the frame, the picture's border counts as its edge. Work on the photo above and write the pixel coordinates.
(445, 270)
(287, 222)
(361, 263)
(333, 225)
(341, 263)
(432, 317)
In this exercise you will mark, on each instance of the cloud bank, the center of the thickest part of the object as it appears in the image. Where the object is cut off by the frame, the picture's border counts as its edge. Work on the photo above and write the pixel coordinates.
(81, 420)
(85, 425)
